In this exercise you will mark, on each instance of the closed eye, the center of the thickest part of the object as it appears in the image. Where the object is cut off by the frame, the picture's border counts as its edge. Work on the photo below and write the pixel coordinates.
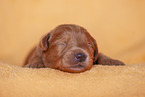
(62, 44)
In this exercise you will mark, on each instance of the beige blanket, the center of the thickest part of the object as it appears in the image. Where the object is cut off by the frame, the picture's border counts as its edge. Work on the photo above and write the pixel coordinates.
(100, 81)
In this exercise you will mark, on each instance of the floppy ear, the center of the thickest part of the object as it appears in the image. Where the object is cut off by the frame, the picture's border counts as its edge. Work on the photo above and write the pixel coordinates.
(44, 42)
(95, 51)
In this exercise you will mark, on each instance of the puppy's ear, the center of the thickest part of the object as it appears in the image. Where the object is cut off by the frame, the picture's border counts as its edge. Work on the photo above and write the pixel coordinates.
(95, 51)
(44, 42)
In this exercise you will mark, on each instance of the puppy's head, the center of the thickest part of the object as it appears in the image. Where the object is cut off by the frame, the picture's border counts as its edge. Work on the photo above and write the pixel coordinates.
(69, 48)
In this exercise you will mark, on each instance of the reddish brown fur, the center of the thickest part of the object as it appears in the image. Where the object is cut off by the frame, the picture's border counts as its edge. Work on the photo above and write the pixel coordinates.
(68, 48)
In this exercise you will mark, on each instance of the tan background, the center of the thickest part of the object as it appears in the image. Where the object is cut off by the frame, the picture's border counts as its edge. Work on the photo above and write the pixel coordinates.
(117, 25)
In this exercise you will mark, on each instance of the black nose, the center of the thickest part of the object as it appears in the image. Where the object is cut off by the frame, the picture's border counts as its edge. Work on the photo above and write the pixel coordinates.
(80, 57)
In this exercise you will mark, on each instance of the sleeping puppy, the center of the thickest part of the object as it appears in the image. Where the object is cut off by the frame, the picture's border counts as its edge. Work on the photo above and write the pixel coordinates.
(68, 48)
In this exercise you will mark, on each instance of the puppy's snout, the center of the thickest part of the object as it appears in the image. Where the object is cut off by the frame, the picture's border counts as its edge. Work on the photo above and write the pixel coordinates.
(80, 57)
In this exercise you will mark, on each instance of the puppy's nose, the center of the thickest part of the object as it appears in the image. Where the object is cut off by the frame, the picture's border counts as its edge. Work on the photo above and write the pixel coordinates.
(80, 57)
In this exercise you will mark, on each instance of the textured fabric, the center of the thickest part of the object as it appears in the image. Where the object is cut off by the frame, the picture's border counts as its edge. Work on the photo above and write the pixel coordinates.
(100, 81)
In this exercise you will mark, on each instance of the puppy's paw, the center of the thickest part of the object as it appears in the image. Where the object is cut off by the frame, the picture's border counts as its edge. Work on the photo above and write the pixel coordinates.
(35, 65)
(111, 62)
(114, 62)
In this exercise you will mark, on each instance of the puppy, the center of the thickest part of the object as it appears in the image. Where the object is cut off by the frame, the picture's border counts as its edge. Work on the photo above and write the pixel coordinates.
(68, 48)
